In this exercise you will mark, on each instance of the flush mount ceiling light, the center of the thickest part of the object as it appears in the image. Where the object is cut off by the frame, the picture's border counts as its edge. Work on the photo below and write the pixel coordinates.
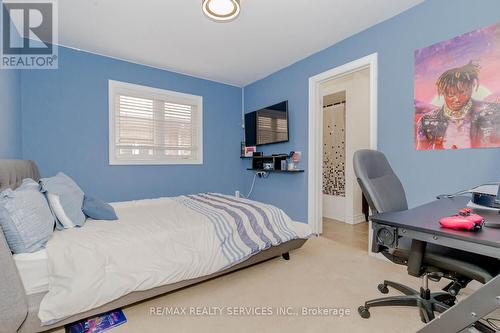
(221, 10)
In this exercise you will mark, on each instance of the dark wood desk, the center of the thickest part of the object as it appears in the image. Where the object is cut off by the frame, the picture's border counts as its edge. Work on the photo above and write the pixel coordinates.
(421, 225)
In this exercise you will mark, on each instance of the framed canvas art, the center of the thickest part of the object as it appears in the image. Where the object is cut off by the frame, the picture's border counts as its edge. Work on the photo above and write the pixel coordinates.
(457, 92)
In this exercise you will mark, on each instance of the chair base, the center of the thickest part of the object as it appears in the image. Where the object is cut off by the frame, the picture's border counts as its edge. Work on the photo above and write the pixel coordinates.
(424, 300)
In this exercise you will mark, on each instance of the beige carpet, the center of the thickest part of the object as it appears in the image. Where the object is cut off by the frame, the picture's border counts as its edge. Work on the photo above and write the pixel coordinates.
(355, 236)
(323, 273)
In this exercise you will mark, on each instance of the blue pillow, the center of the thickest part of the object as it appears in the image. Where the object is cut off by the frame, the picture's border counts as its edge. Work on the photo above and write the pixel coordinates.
(65, 199)
(25, 218)
(98, 210)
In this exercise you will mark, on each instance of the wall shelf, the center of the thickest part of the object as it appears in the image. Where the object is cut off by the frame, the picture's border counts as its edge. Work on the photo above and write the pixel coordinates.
(275, 160)
(282, 171)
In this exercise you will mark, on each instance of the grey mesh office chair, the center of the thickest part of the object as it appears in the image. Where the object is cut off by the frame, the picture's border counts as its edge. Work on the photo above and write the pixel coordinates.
(385, 193)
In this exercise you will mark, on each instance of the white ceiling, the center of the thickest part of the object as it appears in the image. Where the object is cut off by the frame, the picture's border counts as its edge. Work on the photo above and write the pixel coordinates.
(175, 35)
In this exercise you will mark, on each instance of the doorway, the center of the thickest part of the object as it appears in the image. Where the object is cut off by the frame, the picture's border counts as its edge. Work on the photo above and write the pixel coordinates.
(356, 83)
(334, 151)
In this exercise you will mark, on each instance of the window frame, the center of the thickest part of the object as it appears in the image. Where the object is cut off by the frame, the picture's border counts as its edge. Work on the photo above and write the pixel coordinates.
(115, 87)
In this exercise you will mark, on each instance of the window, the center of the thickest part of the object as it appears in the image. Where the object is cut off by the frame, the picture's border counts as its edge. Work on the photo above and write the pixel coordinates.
(154, 126)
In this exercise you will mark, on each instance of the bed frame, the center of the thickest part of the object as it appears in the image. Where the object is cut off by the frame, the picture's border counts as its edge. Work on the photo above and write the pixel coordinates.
(19, 312)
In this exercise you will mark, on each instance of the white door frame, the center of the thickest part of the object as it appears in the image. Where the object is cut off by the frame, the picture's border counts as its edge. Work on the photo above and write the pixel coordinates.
(315, 165)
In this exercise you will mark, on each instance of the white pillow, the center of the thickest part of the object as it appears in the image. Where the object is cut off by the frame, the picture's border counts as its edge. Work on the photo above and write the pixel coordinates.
(65, 199)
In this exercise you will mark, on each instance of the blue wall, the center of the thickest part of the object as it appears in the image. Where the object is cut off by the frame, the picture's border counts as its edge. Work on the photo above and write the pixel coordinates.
(423, 173)
(65, 128)
(10, 114)
(65, 117)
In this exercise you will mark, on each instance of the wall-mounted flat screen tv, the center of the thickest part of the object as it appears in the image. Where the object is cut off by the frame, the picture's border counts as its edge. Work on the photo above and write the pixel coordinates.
(268, 125)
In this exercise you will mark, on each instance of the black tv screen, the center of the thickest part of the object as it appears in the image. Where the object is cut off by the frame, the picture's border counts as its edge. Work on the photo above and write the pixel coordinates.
(268, 125)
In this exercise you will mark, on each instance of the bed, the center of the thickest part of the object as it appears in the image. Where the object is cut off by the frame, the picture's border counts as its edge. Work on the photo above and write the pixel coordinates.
(40, 285)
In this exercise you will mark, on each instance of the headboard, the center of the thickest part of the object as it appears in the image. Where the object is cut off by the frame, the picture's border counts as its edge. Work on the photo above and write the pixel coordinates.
(13, 301)
(12, 173)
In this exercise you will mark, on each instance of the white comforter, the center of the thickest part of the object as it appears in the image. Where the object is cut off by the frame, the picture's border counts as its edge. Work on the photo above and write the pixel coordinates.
(156, 242)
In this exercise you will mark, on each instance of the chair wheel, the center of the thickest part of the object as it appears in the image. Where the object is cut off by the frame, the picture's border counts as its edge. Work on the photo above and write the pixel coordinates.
(363, 312)
(454, 289)
(449, 302)
(383, 288)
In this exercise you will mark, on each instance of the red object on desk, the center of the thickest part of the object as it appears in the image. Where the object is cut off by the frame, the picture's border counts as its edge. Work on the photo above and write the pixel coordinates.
(465, 220)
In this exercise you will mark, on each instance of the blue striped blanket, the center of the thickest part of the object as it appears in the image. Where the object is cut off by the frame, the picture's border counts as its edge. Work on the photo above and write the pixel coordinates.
(244, 227)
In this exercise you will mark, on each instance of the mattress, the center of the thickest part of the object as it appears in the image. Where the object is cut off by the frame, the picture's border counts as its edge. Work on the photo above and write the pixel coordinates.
(157, 242)
(33, 270)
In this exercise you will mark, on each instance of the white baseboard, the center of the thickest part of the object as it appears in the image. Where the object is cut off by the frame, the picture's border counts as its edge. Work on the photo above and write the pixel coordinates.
(356, 219)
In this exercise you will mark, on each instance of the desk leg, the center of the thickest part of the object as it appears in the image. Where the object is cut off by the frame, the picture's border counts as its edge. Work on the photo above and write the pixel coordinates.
(458, 318)
(416, 257)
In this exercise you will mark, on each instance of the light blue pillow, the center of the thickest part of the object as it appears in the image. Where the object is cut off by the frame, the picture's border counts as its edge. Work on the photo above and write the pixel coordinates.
(98, 210)
(65, 199)
(25, 217)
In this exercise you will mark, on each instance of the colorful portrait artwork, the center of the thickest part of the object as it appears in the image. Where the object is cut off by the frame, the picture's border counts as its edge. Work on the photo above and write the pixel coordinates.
(457, 92)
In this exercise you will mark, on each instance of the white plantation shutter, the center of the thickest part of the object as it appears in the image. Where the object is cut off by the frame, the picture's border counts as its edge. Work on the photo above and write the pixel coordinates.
(153, 126)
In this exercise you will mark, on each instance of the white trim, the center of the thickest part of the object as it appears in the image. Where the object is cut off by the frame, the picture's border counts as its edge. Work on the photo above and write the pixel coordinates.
(315, 200)
(358, 218)
(151, 92)
(243, 112)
